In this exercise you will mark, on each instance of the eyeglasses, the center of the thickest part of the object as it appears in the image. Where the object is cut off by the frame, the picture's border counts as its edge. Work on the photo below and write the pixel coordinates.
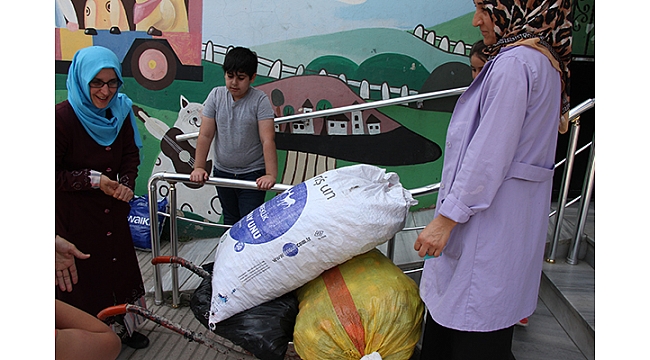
(97, 84)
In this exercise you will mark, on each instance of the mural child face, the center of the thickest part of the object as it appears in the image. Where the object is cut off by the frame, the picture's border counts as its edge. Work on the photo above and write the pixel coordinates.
(103, 87)
(483, 20)
(238, 83)
(476, 63)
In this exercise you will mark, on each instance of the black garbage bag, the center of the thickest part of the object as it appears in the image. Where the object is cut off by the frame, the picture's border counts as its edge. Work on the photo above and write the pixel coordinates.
(265, 330)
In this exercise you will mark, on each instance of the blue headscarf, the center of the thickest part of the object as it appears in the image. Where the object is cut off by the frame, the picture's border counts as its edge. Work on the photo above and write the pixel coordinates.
(86, 63)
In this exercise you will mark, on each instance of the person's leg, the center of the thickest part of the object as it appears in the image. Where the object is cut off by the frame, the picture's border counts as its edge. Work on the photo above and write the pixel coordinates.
(80, 335)
(441, 343)
(228, 199)
(436, 341)
(492, 345)
(249, 200)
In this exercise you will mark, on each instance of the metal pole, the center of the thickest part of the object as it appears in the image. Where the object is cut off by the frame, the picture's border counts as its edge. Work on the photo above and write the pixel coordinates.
(155, 239)
(246, 184)
(173, 235)
(371, 105)
(390, 249)
(355, 107)
(564, 189)
(587, 189)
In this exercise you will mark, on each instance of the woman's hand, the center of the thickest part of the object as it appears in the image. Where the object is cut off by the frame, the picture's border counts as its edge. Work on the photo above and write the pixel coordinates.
(66, 271)
(265, 182)
(434, 236)
(107, 185)
(115, 189)
(123, 192)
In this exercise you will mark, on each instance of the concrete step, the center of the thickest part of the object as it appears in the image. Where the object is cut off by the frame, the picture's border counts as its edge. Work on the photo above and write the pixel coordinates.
(568, 291)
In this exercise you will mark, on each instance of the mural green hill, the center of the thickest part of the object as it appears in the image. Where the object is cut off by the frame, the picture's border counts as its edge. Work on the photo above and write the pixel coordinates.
(358, 46)
(333, 64)
(459, 28)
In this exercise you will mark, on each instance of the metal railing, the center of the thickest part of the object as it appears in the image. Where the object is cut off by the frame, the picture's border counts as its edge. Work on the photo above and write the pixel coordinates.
(585, 197)
(563, 203)
(173, 178)
(355, 107)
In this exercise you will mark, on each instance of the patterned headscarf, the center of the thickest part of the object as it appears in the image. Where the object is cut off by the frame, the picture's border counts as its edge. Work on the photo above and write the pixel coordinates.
(86, 63)
(545, 25)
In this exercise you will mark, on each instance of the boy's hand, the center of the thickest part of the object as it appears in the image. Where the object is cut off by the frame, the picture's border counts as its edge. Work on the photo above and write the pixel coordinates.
(199, 175)
(265, 182)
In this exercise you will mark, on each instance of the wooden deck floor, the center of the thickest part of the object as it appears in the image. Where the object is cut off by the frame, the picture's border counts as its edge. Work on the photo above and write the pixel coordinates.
(544, 338)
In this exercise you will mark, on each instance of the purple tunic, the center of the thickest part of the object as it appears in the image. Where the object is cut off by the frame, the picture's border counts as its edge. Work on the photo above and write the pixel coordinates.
(496, 183)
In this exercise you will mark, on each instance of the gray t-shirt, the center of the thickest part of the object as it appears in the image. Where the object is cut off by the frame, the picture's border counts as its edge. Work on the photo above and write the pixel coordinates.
(237, 145)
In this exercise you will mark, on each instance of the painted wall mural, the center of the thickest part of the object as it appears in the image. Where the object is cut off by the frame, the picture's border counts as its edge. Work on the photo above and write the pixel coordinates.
(313, 55)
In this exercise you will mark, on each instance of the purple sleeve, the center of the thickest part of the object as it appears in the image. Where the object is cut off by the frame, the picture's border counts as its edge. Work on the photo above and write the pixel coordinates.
(490, 151)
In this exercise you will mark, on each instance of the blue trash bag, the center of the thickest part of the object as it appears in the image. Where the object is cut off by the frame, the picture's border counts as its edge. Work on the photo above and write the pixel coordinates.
(139, 221)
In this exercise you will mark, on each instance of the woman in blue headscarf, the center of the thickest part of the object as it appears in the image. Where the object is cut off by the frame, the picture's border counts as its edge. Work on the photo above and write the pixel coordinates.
(97, 157)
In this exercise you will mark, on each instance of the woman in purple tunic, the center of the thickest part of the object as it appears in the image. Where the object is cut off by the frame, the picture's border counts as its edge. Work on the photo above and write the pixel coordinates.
(96, 163)
(485, 245)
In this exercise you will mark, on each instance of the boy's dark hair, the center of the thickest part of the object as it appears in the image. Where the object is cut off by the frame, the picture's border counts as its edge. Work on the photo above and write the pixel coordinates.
(240, 59)
(477, 49)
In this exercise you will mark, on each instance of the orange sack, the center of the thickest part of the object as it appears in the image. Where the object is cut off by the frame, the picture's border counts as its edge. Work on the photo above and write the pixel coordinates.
(366, 305)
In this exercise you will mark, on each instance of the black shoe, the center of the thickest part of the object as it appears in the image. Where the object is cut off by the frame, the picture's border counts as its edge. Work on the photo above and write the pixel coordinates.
(136, 341)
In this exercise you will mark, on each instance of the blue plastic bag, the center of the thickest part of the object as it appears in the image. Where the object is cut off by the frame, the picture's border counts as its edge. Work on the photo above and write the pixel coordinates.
(140, 223)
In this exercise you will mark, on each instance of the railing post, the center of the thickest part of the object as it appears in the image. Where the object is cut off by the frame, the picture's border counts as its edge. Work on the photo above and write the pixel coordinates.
(173, 236)
(390, 249)
(587, 189)
(564, 189)
(155, 239)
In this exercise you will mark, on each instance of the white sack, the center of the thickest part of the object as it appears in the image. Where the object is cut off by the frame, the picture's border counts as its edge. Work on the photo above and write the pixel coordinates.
(311, 227)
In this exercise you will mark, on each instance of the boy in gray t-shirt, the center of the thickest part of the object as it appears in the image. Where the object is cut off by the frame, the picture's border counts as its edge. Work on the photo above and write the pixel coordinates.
(241, 118)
